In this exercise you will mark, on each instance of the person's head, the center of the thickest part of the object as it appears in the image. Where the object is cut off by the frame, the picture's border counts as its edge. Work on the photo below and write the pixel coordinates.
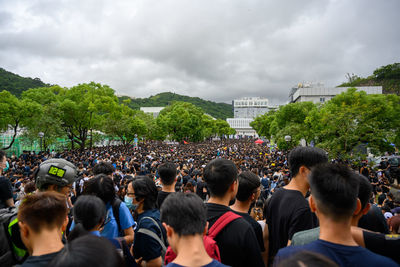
(103, 168)
(364, 195)
(302, 159)
(56, 175)
(183, 215)
(394, 224)
(249, 187)
(88, 250)
(144, 192)
(307, 259)
(167, 172)
(43, 212)
(101, 186)
(221, 177)
(334, 192)
(89, 214)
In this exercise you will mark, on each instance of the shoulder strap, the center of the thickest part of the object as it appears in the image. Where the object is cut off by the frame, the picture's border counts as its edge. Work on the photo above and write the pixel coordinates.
(222, 221)
(115, 208)
(154, 235)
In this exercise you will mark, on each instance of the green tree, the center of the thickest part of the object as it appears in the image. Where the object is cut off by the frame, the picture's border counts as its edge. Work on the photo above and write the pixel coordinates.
(16, 114)
(182, 121)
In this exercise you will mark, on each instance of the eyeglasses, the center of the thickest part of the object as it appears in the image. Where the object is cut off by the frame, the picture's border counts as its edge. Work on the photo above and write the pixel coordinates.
(130, 194)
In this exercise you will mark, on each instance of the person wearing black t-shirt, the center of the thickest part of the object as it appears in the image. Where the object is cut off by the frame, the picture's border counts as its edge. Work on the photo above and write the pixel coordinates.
(248, 192)
(287, 211)
(237, 242)
(167, 172)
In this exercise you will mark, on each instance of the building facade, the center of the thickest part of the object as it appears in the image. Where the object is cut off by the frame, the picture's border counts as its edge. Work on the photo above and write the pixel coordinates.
(318, 93)
(155, 111)
(245, 110)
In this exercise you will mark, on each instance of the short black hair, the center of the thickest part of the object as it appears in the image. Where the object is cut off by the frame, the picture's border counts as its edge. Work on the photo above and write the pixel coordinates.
(2, 154)
(103, 167)
(167, 172)
(364, 190)
(305, 156)
(101, 186)
(88, 250)
(335, 189)
(248, 183)
(146, 189)
(185, 213)
(219, 174)
(88, 211)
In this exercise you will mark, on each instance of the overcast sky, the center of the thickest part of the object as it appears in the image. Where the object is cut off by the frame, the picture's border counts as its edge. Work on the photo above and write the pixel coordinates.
(217, 50)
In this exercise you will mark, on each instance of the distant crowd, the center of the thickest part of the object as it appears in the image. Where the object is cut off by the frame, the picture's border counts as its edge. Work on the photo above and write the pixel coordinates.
(216, 203)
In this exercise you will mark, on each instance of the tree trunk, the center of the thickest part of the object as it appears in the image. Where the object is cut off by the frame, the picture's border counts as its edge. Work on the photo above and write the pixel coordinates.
(14, 135)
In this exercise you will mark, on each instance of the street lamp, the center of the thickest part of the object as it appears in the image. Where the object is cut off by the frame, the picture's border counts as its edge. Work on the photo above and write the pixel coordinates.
(288, 138)
(41, 135)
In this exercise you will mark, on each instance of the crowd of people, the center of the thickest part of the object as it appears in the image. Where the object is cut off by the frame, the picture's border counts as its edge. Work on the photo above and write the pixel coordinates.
(216, 203)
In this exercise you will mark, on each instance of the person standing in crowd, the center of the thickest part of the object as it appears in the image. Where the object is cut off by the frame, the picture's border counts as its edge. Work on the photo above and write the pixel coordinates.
(288, 212)
(237, 241)
(334, 190)
(42, 220)
(150, 237)
(6, 193)
(123, 226)
(248, 192)
(184, 217)
(167, 172)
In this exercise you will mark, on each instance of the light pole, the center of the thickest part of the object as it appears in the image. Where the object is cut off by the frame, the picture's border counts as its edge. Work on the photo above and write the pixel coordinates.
(288, 138)
(41, 135)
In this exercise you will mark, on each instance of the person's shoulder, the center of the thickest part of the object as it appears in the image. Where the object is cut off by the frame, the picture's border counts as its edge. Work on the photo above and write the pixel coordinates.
(286, 252)
(305, 237)
(374, 259)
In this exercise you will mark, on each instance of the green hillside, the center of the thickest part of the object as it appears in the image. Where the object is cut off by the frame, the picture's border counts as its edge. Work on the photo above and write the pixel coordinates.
(217, 110)
(17, 84)
(386, 76)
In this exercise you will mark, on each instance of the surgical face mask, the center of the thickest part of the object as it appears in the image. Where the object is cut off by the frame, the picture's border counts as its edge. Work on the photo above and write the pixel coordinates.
(129, 204)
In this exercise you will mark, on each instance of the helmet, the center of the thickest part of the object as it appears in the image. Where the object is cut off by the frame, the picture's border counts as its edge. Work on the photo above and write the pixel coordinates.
(59, 172)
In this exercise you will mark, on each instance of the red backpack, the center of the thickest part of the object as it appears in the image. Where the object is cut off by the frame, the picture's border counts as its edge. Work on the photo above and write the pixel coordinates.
(209, 242)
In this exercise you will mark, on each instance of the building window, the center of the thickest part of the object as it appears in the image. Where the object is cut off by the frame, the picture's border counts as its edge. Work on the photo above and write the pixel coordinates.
(322, 99)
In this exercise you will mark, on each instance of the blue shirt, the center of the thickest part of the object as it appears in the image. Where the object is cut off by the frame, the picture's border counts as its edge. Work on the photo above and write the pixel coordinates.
(341, 254)
(214, 263)
(144, 245)
(110, 229)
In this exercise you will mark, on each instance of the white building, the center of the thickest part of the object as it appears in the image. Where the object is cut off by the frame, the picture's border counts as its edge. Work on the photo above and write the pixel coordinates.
(242, 126)
(318, 93)
(245, 110)
(155, 111)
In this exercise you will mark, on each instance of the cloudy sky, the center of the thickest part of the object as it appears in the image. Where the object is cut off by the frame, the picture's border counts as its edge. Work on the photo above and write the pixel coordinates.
(214, 49)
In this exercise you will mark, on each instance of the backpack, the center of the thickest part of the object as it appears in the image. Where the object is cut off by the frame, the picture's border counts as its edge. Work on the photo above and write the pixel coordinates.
(150, 233)
(210, 244)
(12, 250)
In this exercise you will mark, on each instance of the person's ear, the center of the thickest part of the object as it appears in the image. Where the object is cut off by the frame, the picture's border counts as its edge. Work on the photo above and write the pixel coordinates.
(23, 229)
(168, 229)
(311, 202)
(358, 207)
(65, 224)
(205, 229)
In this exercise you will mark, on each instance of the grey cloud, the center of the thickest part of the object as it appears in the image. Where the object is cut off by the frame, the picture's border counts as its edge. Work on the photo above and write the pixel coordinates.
(217, 50)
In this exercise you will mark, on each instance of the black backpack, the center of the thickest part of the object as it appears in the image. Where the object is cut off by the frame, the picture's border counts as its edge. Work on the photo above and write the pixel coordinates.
(12, 250)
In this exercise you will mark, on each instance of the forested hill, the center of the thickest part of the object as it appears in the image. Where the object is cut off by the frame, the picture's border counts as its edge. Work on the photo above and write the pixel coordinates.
(386, 76)
(217, 110)
(16, 84)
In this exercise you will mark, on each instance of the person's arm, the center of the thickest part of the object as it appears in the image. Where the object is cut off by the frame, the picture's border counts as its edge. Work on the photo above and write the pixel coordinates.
(129, 235)
(10, 202)
(358, 235)
(264, 254)
(157, 262)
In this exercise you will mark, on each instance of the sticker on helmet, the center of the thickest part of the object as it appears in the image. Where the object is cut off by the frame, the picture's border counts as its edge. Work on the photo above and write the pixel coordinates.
(59, 172)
